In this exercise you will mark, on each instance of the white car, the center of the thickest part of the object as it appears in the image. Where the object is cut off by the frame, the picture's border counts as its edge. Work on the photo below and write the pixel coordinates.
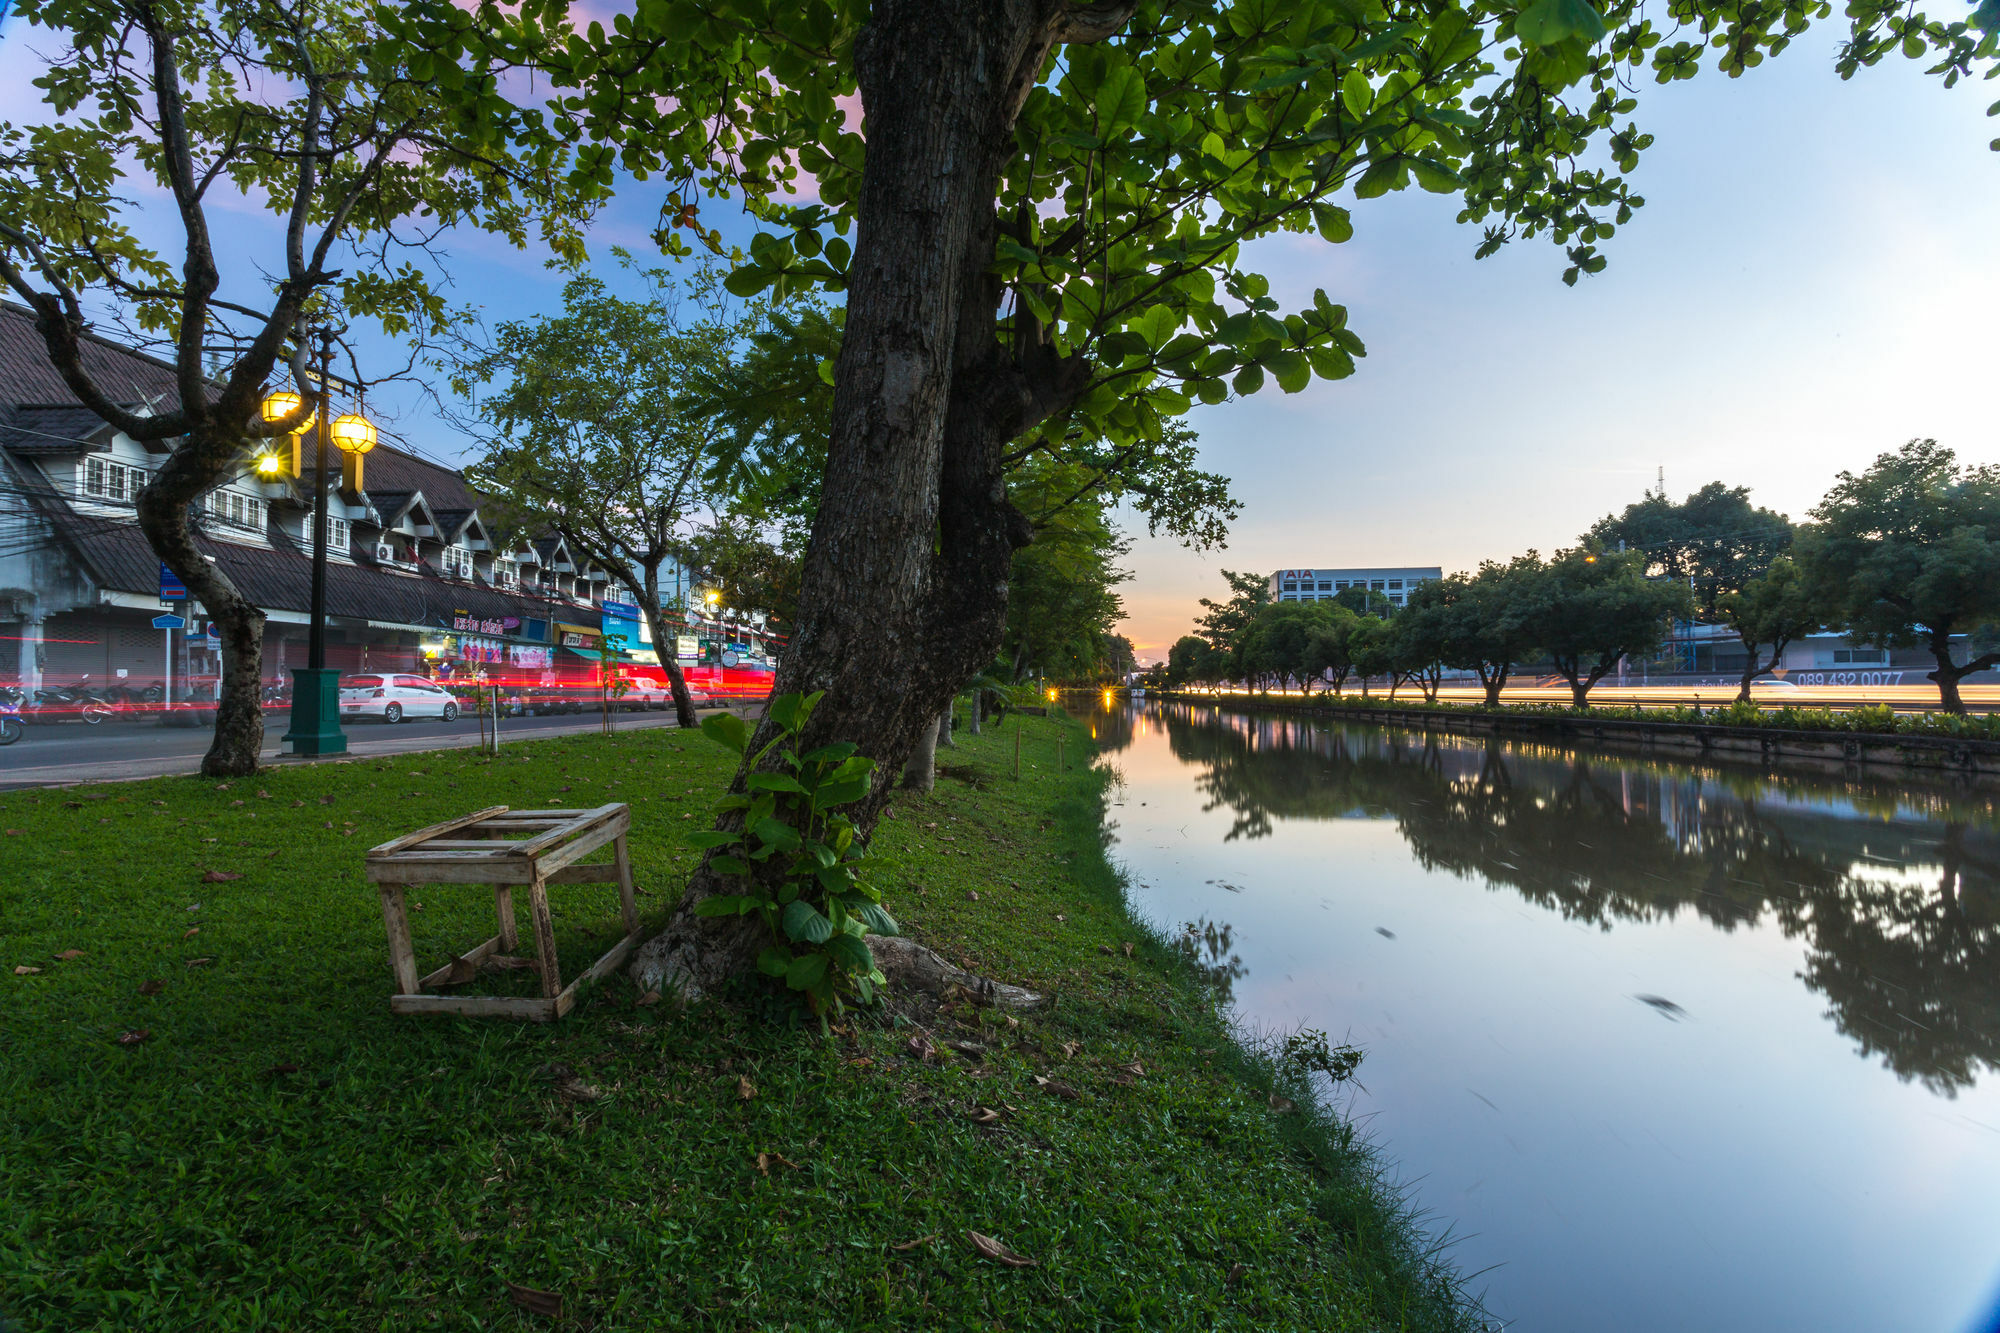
(393, 698)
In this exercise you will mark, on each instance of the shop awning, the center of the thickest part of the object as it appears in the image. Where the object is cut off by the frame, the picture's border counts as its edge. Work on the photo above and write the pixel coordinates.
(592, 655)
(591, 630)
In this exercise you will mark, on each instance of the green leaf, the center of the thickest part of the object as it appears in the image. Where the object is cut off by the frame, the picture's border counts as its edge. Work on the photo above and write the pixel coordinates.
(1291, 370)
(803, 921)
(877, 919)
(1249, 380)
(775, 961)
(840, 793)
(774, 782)
(727, 904)
(726, 729)
(1547, 22)
(830, 754)
(851, 954)
(806, 972)
(1120, 101)
(729, 865)
(1334, 223)
(748, 280)
(777, 833)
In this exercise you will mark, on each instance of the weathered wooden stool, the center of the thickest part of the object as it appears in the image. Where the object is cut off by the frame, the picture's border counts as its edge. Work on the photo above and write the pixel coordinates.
(485, 852)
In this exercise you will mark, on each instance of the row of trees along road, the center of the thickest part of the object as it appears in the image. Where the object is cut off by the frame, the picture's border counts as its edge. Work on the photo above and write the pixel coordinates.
(1580, 611)
(1905, 554)
(1048, 209)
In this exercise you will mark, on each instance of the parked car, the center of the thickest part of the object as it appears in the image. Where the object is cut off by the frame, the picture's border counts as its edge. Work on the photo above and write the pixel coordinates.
(393, 698)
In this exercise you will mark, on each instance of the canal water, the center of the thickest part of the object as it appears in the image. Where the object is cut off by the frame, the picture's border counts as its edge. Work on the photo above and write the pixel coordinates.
(1664, 1047)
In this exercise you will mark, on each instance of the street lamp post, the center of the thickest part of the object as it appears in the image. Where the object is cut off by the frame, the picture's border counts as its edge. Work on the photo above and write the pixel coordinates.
(315, 727)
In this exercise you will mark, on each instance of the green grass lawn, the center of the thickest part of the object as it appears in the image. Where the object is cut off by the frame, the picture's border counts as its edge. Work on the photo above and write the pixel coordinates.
(279, 1152)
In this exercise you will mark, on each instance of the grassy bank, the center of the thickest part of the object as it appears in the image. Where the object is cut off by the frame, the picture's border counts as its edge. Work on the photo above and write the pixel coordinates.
(268, 1147)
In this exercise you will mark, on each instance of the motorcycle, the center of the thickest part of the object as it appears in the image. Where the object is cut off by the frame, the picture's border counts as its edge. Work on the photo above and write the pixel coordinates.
(79, 700)
(10, 716)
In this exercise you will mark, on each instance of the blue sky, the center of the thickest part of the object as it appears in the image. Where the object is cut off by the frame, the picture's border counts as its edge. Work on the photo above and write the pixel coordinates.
(1813, 280)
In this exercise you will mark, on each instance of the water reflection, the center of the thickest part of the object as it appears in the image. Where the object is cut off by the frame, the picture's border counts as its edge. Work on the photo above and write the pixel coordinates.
(1893, 892)
(1210, 947)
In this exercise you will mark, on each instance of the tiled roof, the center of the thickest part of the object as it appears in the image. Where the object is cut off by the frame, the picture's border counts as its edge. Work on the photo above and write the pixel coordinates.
(34, 429)
(26, 375)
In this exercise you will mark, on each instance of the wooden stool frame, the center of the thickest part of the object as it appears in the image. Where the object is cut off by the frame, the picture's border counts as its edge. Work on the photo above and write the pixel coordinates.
(481, 848)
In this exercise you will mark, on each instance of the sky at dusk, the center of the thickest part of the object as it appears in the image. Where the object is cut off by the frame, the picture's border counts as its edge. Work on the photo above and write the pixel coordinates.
(1812, 281)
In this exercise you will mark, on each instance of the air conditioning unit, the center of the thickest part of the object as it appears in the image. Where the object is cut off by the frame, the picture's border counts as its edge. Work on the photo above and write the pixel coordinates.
(385, 552)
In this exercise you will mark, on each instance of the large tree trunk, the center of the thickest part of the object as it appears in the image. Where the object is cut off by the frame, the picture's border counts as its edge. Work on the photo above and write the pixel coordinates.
(977, 712)
(238, 743)
(914, 521)
(1949, 673)
(944, 726)
(1494, 683)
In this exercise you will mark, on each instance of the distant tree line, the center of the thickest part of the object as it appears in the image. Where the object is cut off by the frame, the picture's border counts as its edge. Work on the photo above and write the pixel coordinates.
(1905, 554)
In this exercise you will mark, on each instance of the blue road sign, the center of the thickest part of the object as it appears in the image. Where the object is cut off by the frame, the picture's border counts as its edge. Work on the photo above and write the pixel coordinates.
(171, 587)
(169, 622)
(214, 630)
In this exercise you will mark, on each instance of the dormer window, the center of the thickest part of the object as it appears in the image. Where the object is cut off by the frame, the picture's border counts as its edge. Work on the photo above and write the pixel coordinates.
(234, 508)
(111, 481)
(456, 562)
(336, 534)
(505, 575)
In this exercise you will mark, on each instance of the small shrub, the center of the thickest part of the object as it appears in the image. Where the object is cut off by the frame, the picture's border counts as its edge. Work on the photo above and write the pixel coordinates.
(798, 859)
(1308, 1050)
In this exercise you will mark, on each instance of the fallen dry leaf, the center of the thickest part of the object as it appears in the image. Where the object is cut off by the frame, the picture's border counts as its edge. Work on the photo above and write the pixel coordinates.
(1134, 1068)
(286, 1068)
(25, 971)
(1128, 948)
(1070, 1049)
(218, 876)
(985, 1115)
(1061, 917)
(68, 954)
(1056, 1089)
(1104, 948)
(297, 804)
(651, 997)
(190, 932)
(1282, 1105)
(997, 1252)
(745, 1089)
(972, 894)
(235, 803)
(199, 962)
(16, 832)
(920, 1048)
(533, 1301)
(1236, 1272)
(263, 795)
(153, 987)
(912, 1244)
(326, 800)
(134, 1037)
(222, 786)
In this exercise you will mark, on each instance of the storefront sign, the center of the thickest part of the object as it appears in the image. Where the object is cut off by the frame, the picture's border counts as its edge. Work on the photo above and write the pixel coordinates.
(524, 655)
(475, 625)
(687, 648)
(574, 640)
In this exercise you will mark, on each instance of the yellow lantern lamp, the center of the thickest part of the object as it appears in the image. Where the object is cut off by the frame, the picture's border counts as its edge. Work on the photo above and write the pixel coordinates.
(354, 436)
(277, 405)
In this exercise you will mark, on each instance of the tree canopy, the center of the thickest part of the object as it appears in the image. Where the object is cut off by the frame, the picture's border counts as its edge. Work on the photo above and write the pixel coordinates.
(1908, 552)
(1716, 541)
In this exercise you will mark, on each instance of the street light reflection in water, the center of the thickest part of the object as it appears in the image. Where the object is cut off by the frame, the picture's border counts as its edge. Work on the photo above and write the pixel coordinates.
(1666, 1048)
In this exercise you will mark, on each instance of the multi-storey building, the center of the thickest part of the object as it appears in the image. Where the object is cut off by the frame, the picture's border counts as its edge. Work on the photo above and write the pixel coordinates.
(1309, 585)
(419, 577)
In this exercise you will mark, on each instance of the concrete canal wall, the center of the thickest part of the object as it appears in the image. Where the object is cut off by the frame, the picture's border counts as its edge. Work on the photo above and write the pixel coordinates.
(1785, 747)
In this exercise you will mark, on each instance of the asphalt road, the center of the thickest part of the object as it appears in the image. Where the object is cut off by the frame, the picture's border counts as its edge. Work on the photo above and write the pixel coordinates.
(65, 752)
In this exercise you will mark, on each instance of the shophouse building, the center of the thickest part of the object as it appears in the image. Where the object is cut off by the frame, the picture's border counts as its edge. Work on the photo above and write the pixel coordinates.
(419, 577)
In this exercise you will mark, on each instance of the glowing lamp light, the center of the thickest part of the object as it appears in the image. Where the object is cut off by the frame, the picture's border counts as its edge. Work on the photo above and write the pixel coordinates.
(280, 404)
(353, 433)
(269, 465)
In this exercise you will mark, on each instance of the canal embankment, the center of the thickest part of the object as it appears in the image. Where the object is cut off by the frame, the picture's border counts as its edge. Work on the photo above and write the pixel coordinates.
(1798, 748)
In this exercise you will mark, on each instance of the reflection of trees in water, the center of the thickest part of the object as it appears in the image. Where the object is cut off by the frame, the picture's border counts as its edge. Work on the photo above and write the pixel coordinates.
(1911, 970)
(1210, 948)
